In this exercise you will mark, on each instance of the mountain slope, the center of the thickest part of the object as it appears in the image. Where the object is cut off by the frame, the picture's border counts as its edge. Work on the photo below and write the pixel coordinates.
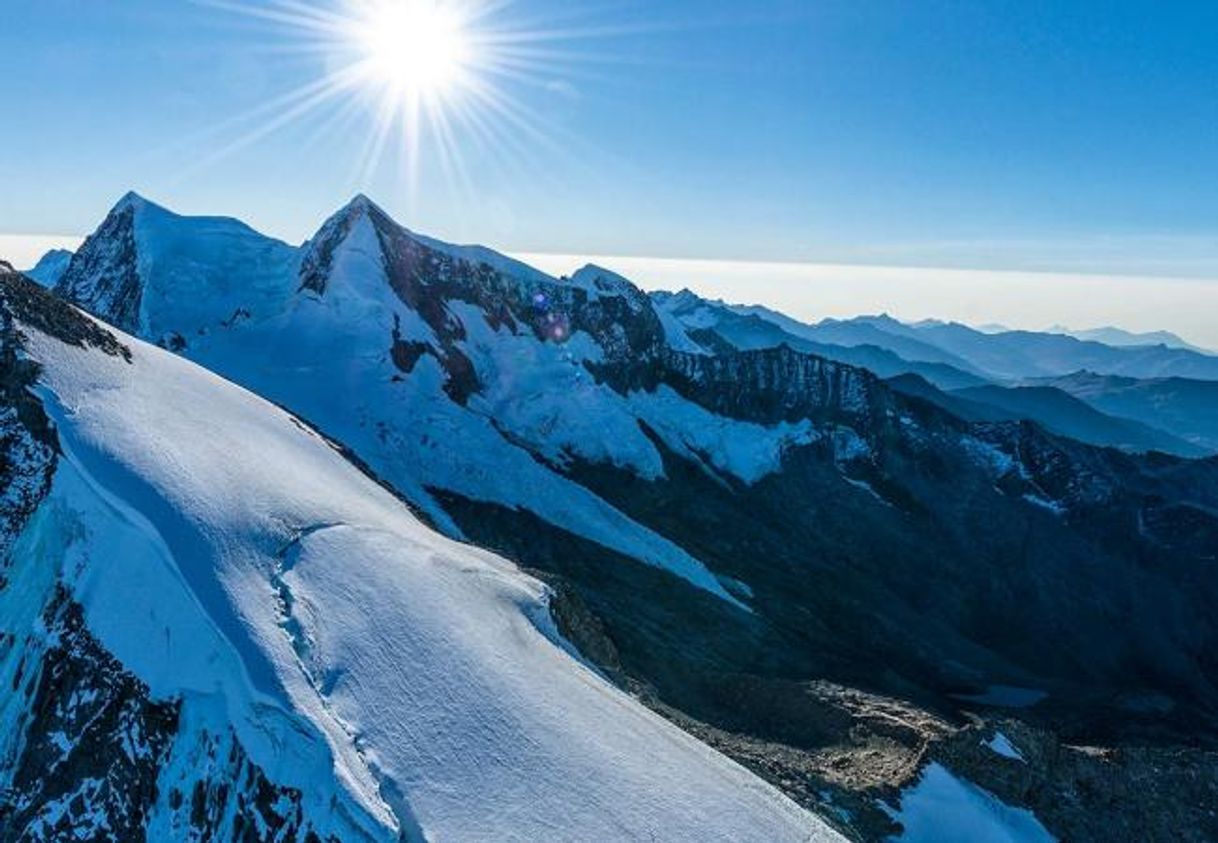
(1186, 408)
(1121, 337)
(240, 591)
(1062, 413)
(779, 552)
(1015, 355)
(50, 267)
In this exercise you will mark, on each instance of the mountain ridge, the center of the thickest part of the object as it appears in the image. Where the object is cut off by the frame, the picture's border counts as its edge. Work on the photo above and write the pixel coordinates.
(737, 520)
(289, 652)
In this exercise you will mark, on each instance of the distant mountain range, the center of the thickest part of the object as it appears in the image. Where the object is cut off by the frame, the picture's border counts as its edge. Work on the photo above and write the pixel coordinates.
(954, 359)
(860, 558)
(1187, 408)
(1119, 337)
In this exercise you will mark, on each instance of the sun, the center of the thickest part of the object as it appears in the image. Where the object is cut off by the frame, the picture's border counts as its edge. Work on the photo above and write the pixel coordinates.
(413, 47)
(429, 84)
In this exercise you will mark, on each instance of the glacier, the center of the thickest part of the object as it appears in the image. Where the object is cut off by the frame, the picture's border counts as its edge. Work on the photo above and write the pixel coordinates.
(410, 686)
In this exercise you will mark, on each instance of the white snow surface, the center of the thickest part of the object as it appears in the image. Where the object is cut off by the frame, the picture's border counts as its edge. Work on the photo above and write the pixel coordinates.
(941, 808)
(1000, 744)
(200, 272)
(229, 556)
(331, 363)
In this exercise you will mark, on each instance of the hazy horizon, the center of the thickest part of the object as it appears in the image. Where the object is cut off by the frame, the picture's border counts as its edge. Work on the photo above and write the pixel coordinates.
(810, 291)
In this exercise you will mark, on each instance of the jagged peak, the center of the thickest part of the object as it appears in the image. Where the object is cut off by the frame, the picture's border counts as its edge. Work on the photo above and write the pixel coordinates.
(340, 224)
(598, 281)
(52, 254)
(319, 250)
(138, 204)
(885, 318)
(591, 270)
(361, 204)
(592, 275)
(130, 199)
(684, 302)
(50, 267)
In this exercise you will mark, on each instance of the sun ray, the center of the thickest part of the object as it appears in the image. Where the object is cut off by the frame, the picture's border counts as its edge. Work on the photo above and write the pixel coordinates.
(438, 82)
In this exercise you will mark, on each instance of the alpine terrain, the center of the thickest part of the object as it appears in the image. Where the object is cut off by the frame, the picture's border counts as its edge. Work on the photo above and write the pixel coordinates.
(380, 537)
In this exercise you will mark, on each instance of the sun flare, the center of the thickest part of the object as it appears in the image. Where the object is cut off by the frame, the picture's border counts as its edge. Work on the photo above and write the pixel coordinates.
(415, 47)
(422, 82)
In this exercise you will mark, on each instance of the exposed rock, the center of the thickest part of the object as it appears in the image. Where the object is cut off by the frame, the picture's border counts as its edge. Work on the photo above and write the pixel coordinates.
(26, 301)
(103, 276)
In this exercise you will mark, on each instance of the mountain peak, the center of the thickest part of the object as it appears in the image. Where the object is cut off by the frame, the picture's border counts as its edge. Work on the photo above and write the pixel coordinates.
(592, 270)
(50, 267)
(360, 205)
(138, 206)
(130, 199)
(320, 250)
(136, 202)
(592, 275)
(103, 276)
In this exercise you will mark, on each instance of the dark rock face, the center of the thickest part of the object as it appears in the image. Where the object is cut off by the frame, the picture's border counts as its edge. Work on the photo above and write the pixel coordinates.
(26, 301)
(230, 798)
(97, 751)
(1142, 793)
(941, 547)
(767, 386)
(103, 276)
(93, 743)
(27, 443)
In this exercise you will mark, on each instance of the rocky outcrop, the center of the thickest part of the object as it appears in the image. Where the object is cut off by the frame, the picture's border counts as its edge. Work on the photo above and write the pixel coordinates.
(99, 758)
(92, 742)
(429, 277)
(766, 386)
(103, 276)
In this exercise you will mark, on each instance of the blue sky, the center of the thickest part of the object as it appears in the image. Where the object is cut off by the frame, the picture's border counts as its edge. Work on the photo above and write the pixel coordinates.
(1074, 137)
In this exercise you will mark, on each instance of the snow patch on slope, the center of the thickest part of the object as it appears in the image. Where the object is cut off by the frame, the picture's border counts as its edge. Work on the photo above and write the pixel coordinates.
(941, 808)
(544, 396)
(1000, 744)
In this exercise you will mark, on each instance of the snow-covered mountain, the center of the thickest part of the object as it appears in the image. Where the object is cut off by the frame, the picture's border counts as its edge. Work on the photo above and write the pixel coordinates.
(215, 627)
(802, 566)
(416, 374)
(50, 267)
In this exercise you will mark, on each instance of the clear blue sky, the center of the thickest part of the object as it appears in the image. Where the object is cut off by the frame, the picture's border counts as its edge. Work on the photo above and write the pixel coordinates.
(1076, 136)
